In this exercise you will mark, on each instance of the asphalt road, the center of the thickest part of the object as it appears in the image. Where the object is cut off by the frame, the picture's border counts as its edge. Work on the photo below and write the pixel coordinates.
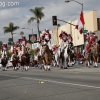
(76, 83)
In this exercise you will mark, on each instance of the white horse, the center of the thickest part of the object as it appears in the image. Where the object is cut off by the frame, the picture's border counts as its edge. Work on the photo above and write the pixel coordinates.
(65, 62)
(65, 59)
(57, 57)
(4, 60)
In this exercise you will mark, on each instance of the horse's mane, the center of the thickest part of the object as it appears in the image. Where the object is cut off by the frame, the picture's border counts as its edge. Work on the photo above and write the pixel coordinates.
(46, 48)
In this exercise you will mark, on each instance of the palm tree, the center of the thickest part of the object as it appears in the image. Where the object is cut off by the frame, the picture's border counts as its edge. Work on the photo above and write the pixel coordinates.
(10, 41)
(38, 15)
(10, 29)
(21, 33)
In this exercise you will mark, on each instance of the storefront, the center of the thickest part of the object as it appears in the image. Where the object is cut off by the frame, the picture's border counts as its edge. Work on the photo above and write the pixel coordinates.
(79, 48)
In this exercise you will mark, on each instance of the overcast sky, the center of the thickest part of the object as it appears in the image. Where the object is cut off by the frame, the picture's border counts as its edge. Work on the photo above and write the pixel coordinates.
(20, 14)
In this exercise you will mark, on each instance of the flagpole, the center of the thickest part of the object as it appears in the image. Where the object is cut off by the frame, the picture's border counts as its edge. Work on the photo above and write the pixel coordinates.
(83, 28)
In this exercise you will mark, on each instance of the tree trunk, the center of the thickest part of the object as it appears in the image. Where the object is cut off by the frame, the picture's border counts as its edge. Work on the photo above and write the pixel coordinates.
(38, 29)
(12, 41)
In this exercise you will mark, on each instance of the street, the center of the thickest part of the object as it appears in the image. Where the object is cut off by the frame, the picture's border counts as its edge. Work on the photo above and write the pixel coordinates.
(74, 83)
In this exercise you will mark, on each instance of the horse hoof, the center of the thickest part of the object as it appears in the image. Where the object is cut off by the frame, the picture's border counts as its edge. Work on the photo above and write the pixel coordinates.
(61, 67)
(49, 69)
(26, 69)
(68, 66)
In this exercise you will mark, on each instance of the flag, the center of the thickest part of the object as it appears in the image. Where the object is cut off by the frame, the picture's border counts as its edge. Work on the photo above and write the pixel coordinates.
(80, 23)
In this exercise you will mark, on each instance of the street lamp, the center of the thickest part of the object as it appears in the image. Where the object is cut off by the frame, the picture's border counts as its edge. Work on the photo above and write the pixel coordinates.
(76, 2)
(29, 29)
(32, 33)
(16, 33)
(67, 1)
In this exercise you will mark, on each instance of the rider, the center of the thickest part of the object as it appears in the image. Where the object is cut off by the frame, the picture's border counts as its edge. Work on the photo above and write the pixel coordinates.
(70, 40)
(41, 43)
(4, 50)
(15, 52)
(47, 37)
(23, 43)
(64, 37)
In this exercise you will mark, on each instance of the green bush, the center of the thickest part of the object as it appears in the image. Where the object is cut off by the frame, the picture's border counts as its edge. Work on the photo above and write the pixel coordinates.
(9, 55)
(32, 52)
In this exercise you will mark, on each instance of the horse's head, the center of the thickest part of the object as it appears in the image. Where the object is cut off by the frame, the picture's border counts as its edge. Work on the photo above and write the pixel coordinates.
(45, 48)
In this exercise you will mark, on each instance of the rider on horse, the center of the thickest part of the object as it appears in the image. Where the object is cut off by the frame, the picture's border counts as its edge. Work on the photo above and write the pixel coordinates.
(4, 59)
(23, 48)
(66, 39)
(66, 46)
(4, 50)
(47, 37)
(15, 53)
(91, 49)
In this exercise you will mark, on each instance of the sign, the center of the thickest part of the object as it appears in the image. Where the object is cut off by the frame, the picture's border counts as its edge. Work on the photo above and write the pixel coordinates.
(84, 31)
(32, 38)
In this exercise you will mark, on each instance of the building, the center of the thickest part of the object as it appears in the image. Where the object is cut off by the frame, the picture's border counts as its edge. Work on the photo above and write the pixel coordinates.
(92, 23)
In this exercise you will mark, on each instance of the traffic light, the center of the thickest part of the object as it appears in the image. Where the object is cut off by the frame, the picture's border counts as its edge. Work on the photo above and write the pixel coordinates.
(54, 19)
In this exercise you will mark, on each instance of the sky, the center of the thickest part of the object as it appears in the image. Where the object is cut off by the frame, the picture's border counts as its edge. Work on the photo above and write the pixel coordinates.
(19, 14)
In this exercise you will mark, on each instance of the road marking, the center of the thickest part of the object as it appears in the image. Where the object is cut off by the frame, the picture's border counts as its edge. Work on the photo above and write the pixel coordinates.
(62, 83)
(81, 85)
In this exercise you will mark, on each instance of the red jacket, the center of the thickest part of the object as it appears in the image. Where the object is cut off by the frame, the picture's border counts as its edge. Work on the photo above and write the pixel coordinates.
(4, 47)
(23, 41)
(70, 38)
(55, 48)
(46, 36)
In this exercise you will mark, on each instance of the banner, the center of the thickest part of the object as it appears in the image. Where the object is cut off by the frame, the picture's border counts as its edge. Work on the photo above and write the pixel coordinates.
(32, 38)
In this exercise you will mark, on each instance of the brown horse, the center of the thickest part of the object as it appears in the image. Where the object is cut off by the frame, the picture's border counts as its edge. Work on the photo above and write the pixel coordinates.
(47, 57)
(15, 62)
(40, 62)
(25, 60)
(95, 55)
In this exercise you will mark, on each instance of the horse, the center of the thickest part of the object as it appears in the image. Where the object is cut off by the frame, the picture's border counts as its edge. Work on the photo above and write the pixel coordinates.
(15, 61)
(47, 57)
(40, 62)
(28, 59)
(4, 62)
(71, 56)
(95, 55)
(25, 61)
(57, 57)
(64, 56)
(92, 56)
